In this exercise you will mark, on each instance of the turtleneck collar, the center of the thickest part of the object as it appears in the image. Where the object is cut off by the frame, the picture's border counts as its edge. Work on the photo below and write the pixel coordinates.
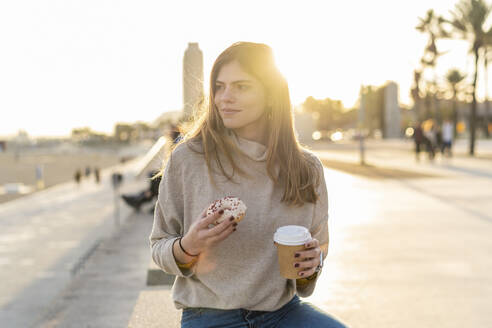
(252, 149)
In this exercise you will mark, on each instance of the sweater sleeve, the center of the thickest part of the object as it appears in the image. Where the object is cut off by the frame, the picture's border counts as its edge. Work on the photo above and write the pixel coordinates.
(168, 220)
(319, 228)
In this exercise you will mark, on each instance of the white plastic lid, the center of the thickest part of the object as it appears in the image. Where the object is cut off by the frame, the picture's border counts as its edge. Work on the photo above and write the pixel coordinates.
(292, 235)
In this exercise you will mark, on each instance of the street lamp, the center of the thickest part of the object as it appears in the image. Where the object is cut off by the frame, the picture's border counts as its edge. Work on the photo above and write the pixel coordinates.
(360, 125)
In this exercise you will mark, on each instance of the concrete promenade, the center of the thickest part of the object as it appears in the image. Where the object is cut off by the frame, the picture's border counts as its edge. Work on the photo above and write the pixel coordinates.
(46, 239)
(405, 250)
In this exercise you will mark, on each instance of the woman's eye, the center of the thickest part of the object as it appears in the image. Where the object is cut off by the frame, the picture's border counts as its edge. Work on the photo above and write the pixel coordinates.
(242, 87)
(218, 86)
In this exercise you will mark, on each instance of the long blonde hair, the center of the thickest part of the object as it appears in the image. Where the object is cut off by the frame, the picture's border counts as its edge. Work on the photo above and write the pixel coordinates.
(297, 173)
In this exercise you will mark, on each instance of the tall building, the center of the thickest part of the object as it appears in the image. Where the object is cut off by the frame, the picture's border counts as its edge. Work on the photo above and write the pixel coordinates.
(192, 78)
(392, 119)
(381, 110)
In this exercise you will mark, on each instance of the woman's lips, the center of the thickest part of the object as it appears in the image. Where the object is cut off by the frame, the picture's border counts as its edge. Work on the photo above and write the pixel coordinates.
(230, 111)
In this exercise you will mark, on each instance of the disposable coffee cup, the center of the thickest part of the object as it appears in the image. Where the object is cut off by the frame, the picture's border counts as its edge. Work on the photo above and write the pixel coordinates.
(290, 239)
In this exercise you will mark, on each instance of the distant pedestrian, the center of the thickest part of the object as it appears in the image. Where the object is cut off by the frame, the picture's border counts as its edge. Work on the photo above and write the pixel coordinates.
(78, 176)
(87, 171)
(447, 138)
(438, 132)
(430, 138)
(96, 175)
(40, 176)
(418, 137)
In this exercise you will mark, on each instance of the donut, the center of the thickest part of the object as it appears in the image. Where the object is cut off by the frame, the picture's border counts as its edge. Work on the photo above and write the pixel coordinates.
(232, 206)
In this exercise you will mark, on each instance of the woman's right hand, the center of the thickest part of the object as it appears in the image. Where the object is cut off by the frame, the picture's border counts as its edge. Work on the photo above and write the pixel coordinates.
(200, 236)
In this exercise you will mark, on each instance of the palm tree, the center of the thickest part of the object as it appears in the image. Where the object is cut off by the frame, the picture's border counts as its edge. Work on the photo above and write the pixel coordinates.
(467, 22)
(454, 77)
(486, 57)
(431, 25)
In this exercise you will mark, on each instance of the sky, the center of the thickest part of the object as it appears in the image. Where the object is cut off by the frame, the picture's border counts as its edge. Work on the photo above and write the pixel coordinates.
(67, 64)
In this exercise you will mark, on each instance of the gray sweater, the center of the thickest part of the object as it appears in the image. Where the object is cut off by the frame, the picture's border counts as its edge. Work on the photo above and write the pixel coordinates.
(241, 271)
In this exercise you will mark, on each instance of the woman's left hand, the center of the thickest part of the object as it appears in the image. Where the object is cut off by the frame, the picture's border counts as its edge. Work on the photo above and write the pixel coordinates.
(308, 259)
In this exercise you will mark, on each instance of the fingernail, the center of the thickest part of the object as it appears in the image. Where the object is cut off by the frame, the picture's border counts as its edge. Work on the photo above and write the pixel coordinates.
(301, 274)
(234, 224)
(297, 255)
(231, 218)
(221, 212)
(296, 265)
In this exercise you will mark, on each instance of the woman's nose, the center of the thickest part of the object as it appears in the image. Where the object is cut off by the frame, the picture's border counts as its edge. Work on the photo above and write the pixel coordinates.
(227, 95)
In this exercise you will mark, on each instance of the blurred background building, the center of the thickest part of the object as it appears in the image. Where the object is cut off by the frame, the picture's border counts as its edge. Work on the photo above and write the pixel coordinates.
(192, 78)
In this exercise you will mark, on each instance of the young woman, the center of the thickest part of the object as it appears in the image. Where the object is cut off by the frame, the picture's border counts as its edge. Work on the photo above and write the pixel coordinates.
(243, 145)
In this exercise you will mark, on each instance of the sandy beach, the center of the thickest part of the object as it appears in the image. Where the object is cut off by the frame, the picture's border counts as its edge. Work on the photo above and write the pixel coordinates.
(58, 166)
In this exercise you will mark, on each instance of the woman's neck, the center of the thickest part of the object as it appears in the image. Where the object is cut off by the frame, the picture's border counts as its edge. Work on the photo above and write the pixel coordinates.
(256, 133)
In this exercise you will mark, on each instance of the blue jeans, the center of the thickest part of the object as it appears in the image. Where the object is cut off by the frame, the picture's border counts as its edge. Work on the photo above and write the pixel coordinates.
(295, 313)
